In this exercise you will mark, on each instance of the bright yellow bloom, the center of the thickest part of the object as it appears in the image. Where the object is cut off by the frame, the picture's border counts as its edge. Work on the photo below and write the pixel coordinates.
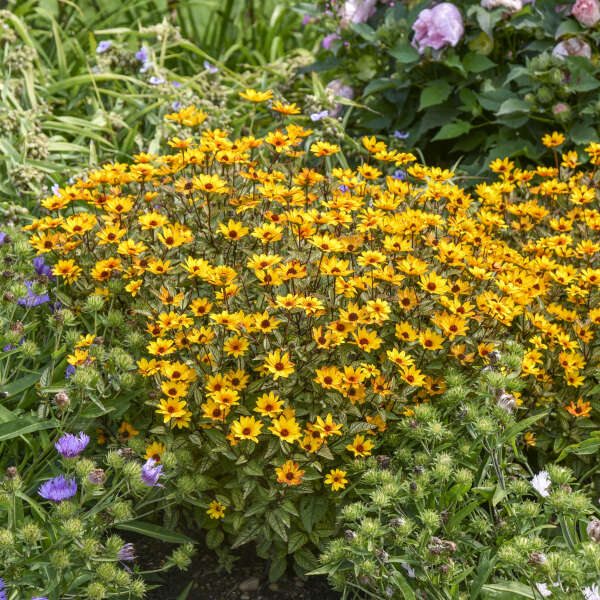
(216, 510)
(336, 478)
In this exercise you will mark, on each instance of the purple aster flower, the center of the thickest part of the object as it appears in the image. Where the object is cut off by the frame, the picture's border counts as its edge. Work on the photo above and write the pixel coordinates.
(319, 115)
(343, 188)
(401, 135)
(103, 46)
(175, 106)
(39, 598)
(146, 66)
(8, 348)
(154, 80)
(210, 68)
(32, 299)
(70, 445)
(151, 473)
(55, 189)
(127, 552)
(142, 54)
(399, 174)
(176, 84)
(58, 489)
(2, 589)
(3, 236)
(69, 372)
(41, 268)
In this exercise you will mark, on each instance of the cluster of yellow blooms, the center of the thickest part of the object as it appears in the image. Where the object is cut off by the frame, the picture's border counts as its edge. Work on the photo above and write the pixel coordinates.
(284, 297)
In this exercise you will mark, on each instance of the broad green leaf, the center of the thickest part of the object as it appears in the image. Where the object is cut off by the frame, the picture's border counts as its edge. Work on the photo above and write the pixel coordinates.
(513, 105)
(296, 541)
(20, 385)
(155, 531)
(452, 130)
(514, 588)
(476, 63)
(214, 538)
(277, 568)
(404, 53)
(435, 93)
(515, 429)
(589, 446)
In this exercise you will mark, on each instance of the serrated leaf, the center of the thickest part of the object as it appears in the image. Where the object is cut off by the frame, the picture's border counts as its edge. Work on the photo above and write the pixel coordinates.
(435, 93)
(296, 541)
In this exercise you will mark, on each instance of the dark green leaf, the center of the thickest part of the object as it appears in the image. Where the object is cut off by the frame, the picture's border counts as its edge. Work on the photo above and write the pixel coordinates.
(476, 63)
(452, 130)
(435, 93)
(155, 531)
(404, 53)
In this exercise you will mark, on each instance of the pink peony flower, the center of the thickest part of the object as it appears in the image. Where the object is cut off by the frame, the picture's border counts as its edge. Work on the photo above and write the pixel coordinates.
(356, 11)
(513, 5)
(437, 27)
(338, 88)
(587, 12)
(572, 47)
(560, 108)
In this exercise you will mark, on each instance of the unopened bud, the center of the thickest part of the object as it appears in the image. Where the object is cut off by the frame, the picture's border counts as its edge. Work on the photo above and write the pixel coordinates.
(61, 399)
(97, 476)
(593, 530)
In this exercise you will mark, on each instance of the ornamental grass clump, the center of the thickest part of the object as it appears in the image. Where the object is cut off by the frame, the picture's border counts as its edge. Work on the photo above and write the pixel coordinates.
(294, 311)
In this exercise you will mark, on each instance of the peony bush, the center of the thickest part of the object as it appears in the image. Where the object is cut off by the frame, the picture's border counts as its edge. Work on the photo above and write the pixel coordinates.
(464, 82)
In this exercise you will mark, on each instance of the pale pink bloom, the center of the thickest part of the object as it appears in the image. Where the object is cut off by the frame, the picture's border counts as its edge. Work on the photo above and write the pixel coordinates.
(572, 47)
(338, 88)
(437, 27)
(329, 39)
(356, 11)
(587, 12)
(513, 5)
(560, 108)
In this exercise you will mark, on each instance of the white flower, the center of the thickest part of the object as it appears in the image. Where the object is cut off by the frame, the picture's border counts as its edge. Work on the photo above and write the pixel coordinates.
(513, 5)
(542, 588)
(409, 570)
(591, 593)
(541, 482)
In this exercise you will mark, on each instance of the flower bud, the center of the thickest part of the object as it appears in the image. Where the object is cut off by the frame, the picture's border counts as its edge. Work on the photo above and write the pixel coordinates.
(121, 511)
(106, 572)
(182, 557)
(60, 559)
(7, 540)
(31, 533)
(138, 588)
(73, 527)
(96, 591)
(537, 558)
(94, 304)
(61, 400)
(97, 476)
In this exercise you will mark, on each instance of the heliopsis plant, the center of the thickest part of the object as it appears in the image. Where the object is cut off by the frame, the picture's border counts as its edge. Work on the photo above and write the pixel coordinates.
(294, 309)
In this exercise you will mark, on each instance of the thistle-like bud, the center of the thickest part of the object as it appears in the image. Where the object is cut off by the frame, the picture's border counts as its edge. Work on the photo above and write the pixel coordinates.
(537, 558)
(506, 401)
(73, 527)
(96, 591)
(97, 476)
(31, 533)
(138, 588)
(182, 557)
(7, 540)
(61, 400)
(60, 559)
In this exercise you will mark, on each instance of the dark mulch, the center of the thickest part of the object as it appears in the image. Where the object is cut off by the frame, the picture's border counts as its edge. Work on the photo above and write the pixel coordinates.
(210, 582)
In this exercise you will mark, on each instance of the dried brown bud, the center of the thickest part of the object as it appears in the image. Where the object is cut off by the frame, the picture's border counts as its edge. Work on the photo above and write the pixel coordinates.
(349, 535)
(61, 399)
(397, 522)
(126, 453)
(8, 297)
(11, 472)
(17, 327)
(593, 530)
(383, 461)
(382, 555)
(97, 476)
(536, 558)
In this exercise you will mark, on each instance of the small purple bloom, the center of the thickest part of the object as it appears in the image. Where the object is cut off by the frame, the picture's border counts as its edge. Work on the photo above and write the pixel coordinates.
(70, 445)
(401, 135)
(319, 115)
(3, 236)
(154, 80)
(55, 189)
(8, 348)
(176, 84)
(3, 595)
(146, 66)
(32, 299)
(210, 68)
(329, 39)
(142, 54)
(399, 174)
(39, 598)
(127, 552)
(151, 473)
(69, 372)
(103, 46)
(42, 268)
(343, 188)
(58, 489)
(175, 106)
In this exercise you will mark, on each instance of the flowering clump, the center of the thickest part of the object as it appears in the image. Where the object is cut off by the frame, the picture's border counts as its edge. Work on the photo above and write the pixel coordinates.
(58, 489)
(294, 310)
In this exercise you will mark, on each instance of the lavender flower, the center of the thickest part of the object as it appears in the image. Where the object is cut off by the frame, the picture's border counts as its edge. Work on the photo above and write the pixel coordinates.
(55, 189)
(103, 46)
(343, 188)
(329, 39)
(409, 570)
(319, 115)
(210, 68)
(399, 174)
(41, 268)
(591, 593)
(401, 135)
(58, 489)
(151, 473)
(69, 372)
(127, 552)
(39, 598)
(176, 105)
(3, 236)
(542, 588)
(32, 299)
(142, 54)
(541, 482)
(154, 80)
(8, 348)
(176, 84)
(3, 595)
(146, 66)
(70, 445)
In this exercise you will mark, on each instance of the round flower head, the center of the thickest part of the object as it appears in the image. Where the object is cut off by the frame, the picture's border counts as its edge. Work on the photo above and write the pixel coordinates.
(513, 5)
(357, 11)
(572, 47)
(437, 27)
(541, 482)
(127, 552)
(58, 489)
(3, 595)
(70, 445)
(3, 236)
(151, 473)
(587, 12)
(103, 46)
